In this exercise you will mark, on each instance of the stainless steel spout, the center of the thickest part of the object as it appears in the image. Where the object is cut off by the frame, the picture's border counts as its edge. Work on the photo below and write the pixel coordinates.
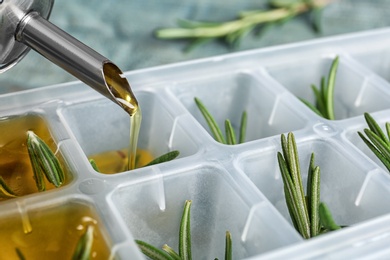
(28, 27)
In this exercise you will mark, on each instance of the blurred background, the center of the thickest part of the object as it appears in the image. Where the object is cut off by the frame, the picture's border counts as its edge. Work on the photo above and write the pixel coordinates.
(123, 31)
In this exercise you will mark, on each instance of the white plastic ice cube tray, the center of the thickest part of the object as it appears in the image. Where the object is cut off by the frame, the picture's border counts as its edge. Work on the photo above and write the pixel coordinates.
(236, 188)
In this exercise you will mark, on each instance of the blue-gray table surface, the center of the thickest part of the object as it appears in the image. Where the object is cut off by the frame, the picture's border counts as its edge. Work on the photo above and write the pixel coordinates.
(122, 30)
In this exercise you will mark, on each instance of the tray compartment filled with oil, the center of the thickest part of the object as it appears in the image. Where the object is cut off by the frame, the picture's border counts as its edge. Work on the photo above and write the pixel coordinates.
(102, 130)
(37, 230)
(15, 164)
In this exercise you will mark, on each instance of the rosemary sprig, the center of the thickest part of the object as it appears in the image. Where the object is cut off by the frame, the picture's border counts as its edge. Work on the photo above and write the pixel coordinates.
(229, 130)
(185, 233)
(184, 253)
(233, 31)
(84, 245)
(20, 254)
(304, 210)
(376, 140)
(324, 96)
(44, 162)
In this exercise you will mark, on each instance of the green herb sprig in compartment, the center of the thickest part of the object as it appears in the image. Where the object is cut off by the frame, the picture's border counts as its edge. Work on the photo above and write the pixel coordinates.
(324, 95)
(44, 163)
(280, 11)
(377, 140)
(309, 215)
(229, 130)
(184, 248)
(169, 156)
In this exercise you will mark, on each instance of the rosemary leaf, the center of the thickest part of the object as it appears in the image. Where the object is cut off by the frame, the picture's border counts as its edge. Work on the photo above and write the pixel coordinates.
(314, 201)
(323, 92)
(5, 190)
(164, 158)
(387, 125)
(243, 126)
(312, 107)
(228, 246)
(295, 170)
(326, 218)
(44, 159)
(320, 102)
(230, 134)
(185, 233)
(287, 190)
(153, 252)
(20, 254)
(215, 130)
(285, 156)
(377, 153)
(36, 166)
(291, 209)
(309, 183)
(293, 199)
(330, 89)
(94, 165)
(171, 252)
(316, 19)
(84, 245)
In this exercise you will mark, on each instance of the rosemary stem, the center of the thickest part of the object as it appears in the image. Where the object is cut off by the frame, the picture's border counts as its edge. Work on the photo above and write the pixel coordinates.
(247, 21)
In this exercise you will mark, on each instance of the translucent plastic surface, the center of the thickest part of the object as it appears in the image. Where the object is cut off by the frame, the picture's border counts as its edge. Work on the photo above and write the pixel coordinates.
(236, 188)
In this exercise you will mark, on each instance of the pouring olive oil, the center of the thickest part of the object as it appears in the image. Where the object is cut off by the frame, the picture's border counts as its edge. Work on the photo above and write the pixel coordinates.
(120, 89)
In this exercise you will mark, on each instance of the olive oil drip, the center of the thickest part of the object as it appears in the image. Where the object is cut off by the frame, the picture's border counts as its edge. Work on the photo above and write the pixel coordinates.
(120, 89)
(27, 228)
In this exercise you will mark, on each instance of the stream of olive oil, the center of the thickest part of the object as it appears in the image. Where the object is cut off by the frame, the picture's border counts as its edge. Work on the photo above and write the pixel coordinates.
(120, 89)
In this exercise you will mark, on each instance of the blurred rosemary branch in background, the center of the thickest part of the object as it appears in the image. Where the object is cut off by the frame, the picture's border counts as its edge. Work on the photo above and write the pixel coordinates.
(232, 32)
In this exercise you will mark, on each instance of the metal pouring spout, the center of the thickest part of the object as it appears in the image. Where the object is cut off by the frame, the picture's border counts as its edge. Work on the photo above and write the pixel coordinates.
(29, 28)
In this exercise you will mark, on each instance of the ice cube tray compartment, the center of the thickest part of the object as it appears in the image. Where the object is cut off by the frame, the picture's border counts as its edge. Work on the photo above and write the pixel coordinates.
(58, 222)
(351, 134)
(236, 188)
(227, 96)
(16, 167)
(101, 126)
(354, 93)
(344, 183)
(217, 206)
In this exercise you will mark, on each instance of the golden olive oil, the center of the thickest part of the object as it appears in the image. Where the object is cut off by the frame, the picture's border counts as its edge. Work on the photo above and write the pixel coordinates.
(115, 161)
(135, 125)
(54, 234)
(121, 91)
(15, 166)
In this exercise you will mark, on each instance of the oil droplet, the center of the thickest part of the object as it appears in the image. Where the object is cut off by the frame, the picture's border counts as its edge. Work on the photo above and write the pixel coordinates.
(27, 228)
